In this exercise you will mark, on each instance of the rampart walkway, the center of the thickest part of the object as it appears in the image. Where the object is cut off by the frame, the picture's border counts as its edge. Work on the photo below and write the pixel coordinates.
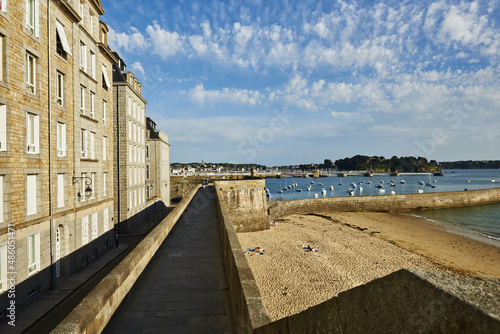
(183, 289)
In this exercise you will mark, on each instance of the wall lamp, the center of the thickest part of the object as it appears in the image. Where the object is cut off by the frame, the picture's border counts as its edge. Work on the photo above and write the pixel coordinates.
(88, 183)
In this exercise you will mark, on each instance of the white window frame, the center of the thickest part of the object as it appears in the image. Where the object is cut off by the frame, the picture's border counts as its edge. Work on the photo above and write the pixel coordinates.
(1, 200)
(31, 194)
(95, 231)
(60, 190)
(83, 138)
(82, 99)
(104, 148)
(3, 6)
(30, 73)
(32, 133)
(105, 219)
(3, 127)
(92, 177)
(59, 88)
(92, 64)
(92, 105)
(107, 83)
(61, 139)
(92, 145)
(85, 230)
(3, 266)
(104, 112)
(33, 249)
(33, 17)
(83, 56)
(104, 184)
(2, 38)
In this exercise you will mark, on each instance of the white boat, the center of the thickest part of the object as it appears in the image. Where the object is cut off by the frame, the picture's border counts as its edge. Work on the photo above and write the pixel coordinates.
(280, 191)
(331, 188)
(494, 181)
(309, 188)
(381, 191)
(353, 184)
(351, 193)
(320, 184)
(420, 191)
(312, 182)
(315, 195)
(402, 181)
(323, 191)
(393, 192)
(421, 182)
(369, 182)
(360, 189)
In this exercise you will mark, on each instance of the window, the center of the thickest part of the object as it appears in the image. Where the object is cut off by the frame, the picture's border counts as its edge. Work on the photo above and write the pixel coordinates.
(82, 9)
(129, 152)
(83, 57)
(62, 45)
(30, 73)
(104, 113)
(106, 219)
(59, 88)
(3, 8)
(3, 127)
(105, 79)
(147, 191)
(104, 148)
(1, 200)
(129, 105)
(32, 133)
(85, 230)
(84, 144)
(3, 265)
(33, 253)
(92, 100)
(147, 172)
(93, 186)
(83, 186)
(82, 100)
(104, 184)
(31, 190)
(92, 145)
(32, 16)
(92, 65)
(147, 151)
(2, 39)
(94, 226)
(61, 140)
(91, 17)
(60, 190)
(129, 130)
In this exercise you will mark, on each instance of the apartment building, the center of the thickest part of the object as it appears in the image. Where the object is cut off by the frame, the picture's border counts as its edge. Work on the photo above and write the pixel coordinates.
(56, 175)
(129, 148)
(157, 164)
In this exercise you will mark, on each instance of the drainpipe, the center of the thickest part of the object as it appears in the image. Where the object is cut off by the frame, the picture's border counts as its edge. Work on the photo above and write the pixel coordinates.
(118, 155)
(51, 190)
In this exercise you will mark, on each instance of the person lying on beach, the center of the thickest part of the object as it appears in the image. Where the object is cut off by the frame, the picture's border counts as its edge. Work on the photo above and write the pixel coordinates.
(309, 249)
(256, 250)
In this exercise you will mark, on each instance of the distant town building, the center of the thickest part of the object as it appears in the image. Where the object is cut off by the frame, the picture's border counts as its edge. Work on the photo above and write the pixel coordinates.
(130, 148)
(157, 163)
(55, 142)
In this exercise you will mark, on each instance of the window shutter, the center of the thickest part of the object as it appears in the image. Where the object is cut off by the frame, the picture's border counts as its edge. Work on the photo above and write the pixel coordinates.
(36, 127)
(31, 194)
(37, 18)
(64, 139)
(3, 127)
(62, 36)
(92, 141)
(60, 190)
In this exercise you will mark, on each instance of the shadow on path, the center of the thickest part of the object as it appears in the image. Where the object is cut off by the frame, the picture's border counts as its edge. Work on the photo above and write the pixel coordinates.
(183, 289)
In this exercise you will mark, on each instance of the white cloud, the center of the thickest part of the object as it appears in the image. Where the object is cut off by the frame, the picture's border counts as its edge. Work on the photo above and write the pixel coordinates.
(165, 43)
(137, 68)
(225, 95)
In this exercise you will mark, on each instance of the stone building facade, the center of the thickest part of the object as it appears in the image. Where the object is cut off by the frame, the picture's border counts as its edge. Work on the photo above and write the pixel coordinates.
(129, 149)
(49, 227)
(157, 164)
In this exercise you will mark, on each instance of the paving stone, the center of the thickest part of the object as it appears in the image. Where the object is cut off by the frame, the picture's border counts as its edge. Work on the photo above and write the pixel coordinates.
(183, 289)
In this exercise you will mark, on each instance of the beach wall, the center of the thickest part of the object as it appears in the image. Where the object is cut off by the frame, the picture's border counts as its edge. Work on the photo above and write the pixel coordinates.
(385, 203)
(97, 308)
(403, 302)
(246, 204)
(248, 310)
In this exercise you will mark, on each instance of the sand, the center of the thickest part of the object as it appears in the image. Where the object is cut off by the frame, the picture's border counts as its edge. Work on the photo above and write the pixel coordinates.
(353, 249)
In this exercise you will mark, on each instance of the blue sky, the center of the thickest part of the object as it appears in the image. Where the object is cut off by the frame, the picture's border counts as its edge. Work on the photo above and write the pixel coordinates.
(285, 81)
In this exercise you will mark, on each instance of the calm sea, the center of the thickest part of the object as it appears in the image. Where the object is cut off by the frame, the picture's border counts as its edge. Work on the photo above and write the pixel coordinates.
(481, 220)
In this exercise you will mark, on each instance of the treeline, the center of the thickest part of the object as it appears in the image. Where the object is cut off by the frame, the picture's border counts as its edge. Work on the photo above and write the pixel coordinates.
(381, 164)
(485, 164)
(225, 165)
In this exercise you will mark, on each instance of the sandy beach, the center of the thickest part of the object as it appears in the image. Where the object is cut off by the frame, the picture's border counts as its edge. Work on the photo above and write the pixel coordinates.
(353, 249)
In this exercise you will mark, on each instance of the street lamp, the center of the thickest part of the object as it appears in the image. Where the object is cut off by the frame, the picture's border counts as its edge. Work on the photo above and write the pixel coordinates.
(88, 183)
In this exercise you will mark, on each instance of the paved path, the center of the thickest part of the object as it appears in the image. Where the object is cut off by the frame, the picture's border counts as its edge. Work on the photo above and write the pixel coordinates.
(183, 289)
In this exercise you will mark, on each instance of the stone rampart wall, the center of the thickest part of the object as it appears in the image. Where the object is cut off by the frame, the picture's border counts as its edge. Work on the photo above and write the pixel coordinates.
(385, 203)
(403, 302)
(94, 312)
(248, 310)
(246, 203)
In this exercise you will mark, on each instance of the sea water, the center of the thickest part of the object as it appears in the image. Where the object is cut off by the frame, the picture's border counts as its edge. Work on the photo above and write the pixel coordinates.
(483, 220)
